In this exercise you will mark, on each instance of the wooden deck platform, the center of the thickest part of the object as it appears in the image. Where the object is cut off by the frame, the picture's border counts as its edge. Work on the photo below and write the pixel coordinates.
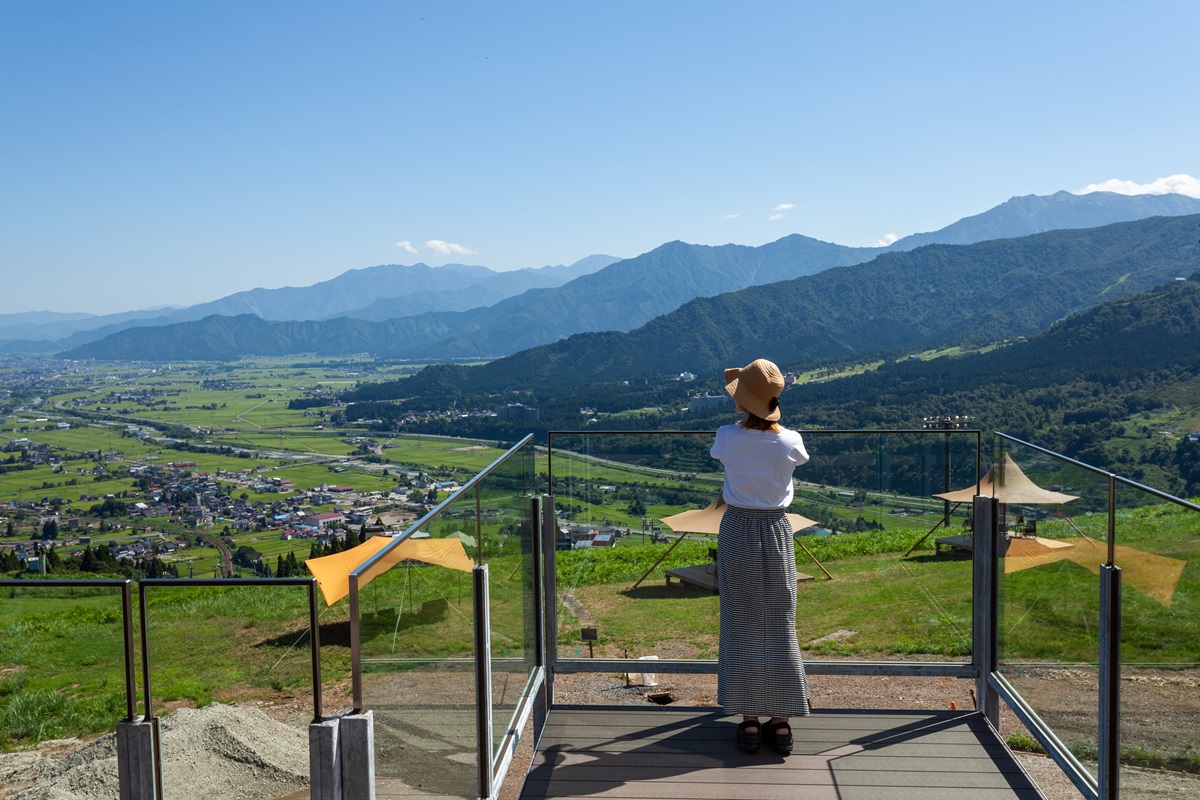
(963, 544)
(704, 576)
(1014, 546)
(632, 753)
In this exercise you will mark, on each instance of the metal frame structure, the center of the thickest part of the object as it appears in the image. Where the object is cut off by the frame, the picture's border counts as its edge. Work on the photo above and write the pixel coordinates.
(314, 645)
(126, 587)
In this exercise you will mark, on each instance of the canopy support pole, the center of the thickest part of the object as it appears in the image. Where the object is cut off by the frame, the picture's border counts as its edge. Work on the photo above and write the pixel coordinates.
(682, 536)
(814, 559)
(941, 522)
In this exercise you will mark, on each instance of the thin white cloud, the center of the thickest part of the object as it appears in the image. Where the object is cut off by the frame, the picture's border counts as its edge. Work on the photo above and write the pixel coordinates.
(442, 249)
(778, 211)
(407, 246)
(888, 238)
(1172, 184)
(731, 216)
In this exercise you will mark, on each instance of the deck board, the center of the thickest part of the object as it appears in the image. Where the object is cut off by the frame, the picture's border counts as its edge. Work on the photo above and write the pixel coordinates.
(652, 753)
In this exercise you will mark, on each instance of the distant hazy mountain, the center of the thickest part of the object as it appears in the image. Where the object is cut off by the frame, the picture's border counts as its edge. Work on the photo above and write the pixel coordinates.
(396, 287)
(468, 294)
(382, 292)
(1022, 216)
(629, 293)
(51, 325)
(620, 297)
(929, 297)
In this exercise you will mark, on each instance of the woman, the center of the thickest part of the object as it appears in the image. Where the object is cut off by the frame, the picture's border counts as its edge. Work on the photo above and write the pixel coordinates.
(760, 672)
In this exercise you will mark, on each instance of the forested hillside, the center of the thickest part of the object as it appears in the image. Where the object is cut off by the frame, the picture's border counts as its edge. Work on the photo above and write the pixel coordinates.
(931, 297)
(1092, 387)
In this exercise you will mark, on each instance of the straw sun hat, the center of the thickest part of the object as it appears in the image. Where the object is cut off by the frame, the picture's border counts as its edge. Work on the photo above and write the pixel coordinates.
(756, 388)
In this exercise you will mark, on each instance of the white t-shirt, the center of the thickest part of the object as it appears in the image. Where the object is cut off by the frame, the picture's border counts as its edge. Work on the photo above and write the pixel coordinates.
(758, 465)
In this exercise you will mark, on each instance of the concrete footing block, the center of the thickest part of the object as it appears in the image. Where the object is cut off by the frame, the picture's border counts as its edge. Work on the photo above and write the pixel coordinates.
(324, 760)
(135, 759)
(357, 735)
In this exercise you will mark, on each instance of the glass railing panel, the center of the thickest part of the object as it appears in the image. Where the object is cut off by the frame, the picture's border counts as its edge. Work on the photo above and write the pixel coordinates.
(882, 530)
(62, 676)
(612, 493)
(1053, 528)
(231, 678)
(877, 522)
(507, 529)
(418, 665)
(1157, 548)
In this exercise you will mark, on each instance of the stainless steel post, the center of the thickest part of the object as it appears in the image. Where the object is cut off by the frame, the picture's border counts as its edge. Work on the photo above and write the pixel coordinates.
(1109, 768)
(483, 680)
(1108, 772)
(146, 704)
(540, 705)
(356, 688)
(130, 670)
(314, 626)
(984, 615)
(550, 592)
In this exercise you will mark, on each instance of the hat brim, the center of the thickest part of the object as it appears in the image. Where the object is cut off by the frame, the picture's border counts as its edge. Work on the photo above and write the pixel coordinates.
(747, 401)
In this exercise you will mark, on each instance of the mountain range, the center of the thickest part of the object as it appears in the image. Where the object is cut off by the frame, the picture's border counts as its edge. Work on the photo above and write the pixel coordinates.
(609, 296)
(374, 293)
(934, 296)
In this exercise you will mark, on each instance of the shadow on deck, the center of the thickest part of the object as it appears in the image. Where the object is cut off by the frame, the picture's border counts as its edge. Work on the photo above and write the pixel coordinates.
(690, 753)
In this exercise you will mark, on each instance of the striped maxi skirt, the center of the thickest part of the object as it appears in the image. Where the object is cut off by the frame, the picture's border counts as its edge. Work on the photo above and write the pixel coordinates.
(760, 671)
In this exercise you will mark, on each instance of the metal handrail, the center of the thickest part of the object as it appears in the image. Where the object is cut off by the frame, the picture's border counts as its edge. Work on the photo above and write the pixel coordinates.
(803, 431)
(1057, 456)
(436, 511)
(126, 621)
(1157, 493)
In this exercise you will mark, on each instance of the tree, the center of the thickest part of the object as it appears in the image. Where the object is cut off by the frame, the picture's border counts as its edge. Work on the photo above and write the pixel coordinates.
(50, 530)
(9, 530)
(245, 556)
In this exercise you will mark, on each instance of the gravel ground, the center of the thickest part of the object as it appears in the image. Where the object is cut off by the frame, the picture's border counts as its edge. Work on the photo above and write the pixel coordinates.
(218, 751)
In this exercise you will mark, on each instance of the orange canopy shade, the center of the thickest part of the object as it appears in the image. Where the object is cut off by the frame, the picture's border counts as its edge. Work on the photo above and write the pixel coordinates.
(1013, 487)
(333, 572)
(708, 520)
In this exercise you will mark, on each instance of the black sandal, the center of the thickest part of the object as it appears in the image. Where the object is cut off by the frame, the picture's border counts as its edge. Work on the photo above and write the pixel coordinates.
(782, 742)
(746, 740)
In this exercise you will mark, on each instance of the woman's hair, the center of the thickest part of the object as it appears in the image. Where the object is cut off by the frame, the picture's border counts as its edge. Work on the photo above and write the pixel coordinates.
(756, 423)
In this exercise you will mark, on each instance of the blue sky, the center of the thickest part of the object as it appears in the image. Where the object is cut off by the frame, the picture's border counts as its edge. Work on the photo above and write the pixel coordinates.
(169, 153)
